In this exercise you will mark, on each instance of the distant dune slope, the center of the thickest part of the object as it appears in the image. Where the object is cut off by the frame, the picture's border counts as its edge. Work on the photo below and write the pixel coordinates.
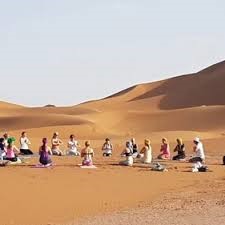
(37, 121)
(189, 102)
(203, 88)
(6, 105)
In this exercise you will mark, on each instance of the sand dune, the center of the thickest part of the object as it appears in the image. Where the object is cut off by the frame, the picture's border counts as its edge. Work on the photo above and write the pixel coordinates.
(186, 106)
(197, 97)
(182, 105)
(203, 88)
(6, 105)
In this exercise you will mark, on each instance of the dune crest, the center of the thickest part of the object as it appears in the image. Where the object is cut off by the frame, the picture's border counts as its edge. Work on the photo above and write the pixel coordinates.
(182, 103)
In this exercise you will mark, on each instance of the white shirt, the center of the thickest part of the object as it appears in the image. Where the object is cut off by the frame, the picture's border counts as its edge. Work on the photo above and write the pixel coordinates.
(2, 152)
(148, 155)
(24, 142)
(73, 145)
(5, 143)
(200, 151)
(107, 148)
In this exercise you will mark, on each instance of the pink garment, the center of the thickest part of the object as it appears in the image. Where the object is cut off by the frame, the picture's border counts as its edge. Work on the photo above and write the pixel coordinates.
(165, 149)
(87, 163)
(10, 152)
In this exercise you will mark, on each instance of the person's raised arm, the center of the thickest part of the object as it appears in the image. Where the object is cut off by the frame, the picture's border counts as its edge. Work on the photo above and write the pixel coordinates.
(55, 142)
(21, 141)
(194, 148)
(15, 149)
(143, 150)
(69, 145)
(168, 148)
(28, 142)
(82, 153)
(123, 152)
(40, 149)
(175, 149)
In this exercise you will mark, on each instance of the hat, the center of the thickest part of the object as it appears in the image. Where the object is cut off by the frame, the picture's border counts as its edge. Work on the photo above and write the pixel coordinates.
(197, 139)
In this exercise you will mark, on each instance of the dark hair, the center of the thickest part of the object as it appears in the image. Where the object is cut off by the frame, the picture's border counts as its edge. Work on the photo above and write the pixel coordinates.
(2, 140)
(10, 145)
(107, 139)
(44, 144)
(24, 132)
(72, 136)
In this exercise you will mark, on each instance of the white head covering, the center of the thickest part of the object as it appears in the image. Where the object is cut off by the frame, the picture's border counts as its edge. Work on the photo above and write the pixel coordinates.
(128, 144)
(197, 139)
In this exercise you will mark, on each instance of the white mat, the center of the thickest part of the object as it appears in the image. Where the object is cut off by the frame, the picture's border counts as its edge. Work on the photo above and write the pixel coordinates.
(88, 167)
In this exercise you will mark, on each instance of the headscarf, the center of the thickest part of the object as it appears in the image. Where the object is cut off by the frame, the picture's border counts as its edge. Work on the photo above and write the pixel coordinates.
(197, 139)
(11, 140)
(129, 144)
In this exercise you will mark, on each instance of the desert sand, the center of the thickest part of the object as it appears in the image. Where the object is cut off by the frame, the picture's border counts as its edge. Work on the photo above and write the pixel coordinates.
(186, 106)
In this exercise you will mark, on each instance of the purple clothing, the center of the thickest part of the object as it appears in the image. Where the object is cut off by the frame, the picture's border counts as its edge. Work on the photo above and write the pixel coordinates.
(45, 157)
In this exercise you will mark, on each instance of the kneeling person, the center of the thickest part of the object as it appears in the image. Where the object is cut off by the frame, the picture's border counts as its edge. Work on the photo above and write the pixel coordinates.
(180, 149)
(73, 146)
(56, 143)
(107, 148)
(12, 151)
(127, 152)
(24, 144)
(87, 154)
(146, 152)
(45, 152)
(199, 151)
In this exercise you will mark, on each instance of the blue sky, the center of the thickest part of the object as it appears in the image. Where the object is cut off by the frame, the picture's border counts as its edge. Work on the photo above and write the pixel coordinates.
(66, 52)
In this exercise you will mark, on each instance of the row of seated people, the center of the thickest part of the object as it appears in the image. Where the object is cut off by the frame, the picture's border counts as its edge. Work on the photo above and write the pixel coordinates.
(130, 152)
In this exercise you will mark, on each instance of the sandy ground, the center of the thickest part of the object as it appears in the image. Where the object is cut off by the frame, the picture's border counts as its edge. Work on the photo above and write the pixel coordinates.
(67, 193)
(202, 206)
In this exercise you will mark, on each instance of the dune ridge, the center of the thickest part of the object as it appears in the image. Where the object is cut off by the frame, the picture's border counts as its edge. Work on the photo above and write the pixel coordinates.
(145, 108)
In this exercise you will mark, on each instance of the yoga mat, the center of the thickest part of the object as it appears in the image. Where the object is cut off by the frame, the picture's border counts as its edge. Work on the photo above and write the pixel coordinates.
(88, 167)
(39, 166)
